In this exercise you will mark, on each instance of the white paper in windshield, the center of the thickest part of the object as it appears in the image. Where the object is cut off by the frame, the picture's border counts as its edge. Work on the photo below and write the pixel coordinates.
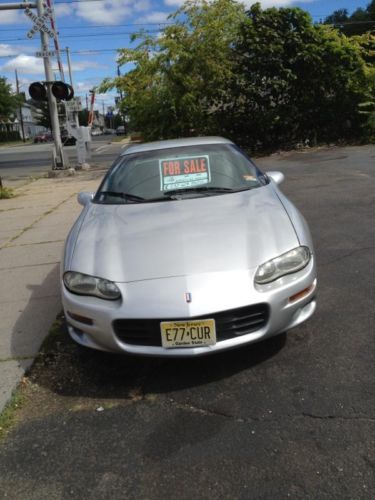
(184, 172)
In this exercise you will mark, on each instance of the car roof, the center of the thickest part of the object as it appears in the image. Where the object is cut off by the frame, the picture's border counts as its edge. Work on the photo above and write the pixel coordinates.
(173, 143)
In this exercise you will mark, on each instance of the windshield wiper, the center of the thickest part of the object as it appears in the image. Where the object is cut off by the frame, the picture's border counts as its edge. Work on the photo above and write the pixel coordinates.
(133, 197)
(204, 189)
(124, 196)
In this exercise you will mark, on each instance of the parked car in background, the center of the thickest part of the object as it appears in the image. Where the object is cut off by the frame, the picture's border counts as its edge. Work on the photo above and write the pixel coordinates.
(120, 130)
(186, 249)
(96, 131)
(44, 137)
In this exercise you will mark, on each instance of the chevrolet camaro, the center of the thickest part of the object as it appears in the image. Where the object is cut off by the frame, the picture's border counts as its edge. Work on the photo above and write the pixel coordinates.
(186, 249)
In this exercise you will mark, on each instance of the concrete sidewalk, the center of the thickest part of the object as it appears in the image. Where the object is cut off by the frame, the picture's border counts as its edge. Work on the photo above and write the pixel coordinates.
(33, 228)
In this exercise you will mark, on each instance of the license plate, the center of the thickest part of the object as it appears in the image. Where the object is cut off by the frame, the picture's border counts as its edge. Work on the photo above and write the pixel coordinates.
(197, 333)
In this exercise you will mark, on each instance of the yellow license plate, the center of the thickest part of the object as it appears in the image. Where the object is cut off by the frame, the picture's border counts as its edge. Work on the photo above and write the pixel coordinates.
(197, 333)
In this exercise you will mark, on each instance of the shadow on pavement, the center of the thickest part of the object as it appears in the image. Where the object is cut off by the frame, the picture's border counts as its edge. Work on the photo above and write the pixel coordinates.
(70, 370)
(37, 313)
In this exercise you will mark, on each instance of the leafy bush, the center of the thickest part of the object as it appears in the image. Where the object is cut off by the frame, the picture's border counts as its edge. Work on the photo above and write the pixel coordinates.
(6, 193)
(9, 136)
(265, 78)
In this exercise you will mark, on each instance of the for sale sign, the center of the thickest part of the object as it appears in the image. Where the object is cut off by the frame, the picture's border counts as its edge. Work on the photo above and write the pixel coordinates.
(184, 172)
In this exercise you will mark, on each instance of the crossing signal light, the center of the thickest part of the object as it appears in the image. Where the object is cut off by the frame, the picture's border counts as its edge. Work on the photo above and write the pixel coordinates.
(61, 90)
(38, 91)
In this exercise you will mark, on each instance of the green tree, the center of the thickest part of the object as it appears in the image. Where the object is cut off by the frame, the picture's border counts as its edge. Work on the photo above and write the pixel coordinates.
(9, 101)
(366, 44)
(181, 76)
(294, 81)
(43, 117)
(337, 17)
(359, 22)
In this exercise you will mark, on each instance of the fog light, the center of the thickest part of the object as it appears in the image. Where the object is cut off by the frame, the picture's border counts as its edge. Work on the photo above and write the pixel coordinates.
(302, 293)
(80, 319)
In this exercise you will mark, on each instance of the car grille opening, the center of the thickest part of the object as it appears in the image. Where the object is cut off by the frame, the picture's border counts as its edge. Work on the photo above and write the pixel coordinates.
(229, 324)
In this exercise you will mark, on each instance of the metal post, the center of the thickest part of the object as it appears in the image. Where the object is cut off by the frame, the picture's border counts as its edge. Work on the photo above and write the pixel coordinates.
(14, 6)
(121, 97)
(60, 161)
(20, 108)
(67, 50)
(69, 65)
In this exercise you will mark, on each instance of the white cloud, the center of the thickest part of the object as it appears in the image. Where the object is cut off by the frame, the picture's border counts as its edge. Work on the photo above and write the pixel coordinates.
(13, 50)
(106, 12)
(25, 64)
(82, 87)
(142, 5)
(63, 9)
(82, 65)
(12, 17)
(31, 65)
(8, 50)
(154, 17)
(174, 3)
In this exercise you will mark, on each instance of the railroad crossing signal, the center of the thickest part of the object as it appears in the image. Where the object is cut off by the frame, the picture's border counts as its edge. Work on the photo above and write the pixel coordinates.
(39, 22)
(61, 90)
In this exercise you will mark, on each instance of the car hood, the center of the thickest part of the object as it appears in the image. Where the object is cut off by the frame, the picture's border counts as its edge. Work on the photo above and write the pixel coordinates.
(133, 242)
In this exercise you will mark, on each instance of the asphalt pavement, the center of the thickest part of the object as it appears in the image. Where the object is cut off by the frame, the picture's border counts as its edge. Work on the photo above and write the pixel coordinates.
(18, 163)
(293, 417)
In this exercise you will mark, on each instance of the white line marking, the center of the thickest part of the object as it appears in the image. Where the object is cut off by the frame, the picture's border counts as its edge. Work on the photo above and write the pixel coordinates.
(101, 148)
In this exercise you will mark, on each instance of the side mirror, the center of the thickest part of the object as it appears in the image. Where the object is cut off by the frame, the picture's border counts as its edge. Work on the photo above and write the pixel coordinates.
(277, 177)
(84, 198)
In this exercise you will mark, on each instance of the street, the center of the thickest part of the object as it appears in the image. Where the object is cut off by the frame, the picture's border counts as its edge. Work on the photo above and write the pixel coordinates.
(292, 417)
(34, 160)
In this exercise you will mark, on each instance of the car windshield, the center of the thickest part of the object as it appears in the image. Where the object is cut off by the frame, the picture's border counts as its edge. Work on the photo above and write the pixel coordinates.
(179, 173)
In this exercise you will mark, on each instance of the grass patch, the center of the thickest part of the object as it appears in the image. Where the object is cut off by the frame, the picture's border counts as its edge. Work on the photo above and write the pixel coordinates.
(55, 335)
(8, 415)
(118, 138)
(15, 143)
(6, 193)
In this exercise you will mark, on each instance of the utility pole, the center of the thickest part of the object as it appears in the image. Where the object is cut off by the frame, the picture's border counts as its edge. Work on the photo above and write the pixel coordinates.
(121, 97)
(69, 65)
(59, 159)
(20, 107)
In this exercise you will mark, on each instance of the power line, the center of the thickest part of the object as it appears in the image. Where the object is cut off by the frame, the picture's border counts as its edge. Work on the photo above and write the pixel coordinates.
(95, 26)
(82, 52)
(77, 1)
(83, 36)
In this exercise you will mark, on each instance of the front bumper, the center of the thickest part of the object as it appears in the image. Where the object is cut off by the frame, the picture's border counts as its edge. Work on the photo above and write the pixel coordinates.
(211, 293)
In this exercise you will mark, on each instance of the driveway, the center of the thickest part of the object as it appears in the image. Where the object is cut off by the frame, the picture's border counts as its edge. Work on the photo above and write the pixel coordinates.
(293, 417)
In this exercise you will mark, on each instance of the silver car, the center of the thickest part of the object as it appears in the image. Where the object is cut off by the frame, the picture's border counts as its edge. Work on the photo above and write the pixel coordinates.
(186, 249)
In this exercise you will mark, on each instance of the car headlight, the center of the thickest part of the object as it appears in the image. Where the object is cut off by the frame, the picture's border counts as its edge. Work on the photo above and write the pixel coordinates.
(84, 284)
(287, 263)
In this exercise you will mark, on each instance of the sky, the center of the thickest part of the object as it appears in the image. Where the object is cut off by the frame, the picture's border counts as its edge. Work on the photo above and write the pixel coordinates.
(94, 29)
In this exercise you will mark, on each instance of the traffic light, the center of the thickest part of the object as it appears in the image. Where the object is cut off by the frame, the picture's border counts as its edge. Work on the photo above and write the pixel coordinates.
(61, 90)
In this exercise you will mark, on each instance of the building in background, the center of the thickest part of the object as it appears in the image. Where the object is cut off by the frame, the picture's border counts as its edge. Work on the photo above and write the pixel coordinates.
(31, 116)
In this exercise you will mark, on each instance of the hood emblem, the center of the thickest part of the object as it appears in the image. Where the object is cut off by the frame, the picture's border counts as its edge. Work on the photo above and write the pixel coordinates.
(188, 297)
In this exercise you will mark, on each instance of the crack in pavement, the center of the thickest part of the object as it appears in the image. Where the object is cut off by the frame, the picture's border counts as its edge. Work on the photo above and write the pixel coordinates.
(38, 219)
(302, 415)
(350, 254)
(29, 265)
(37, 243)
